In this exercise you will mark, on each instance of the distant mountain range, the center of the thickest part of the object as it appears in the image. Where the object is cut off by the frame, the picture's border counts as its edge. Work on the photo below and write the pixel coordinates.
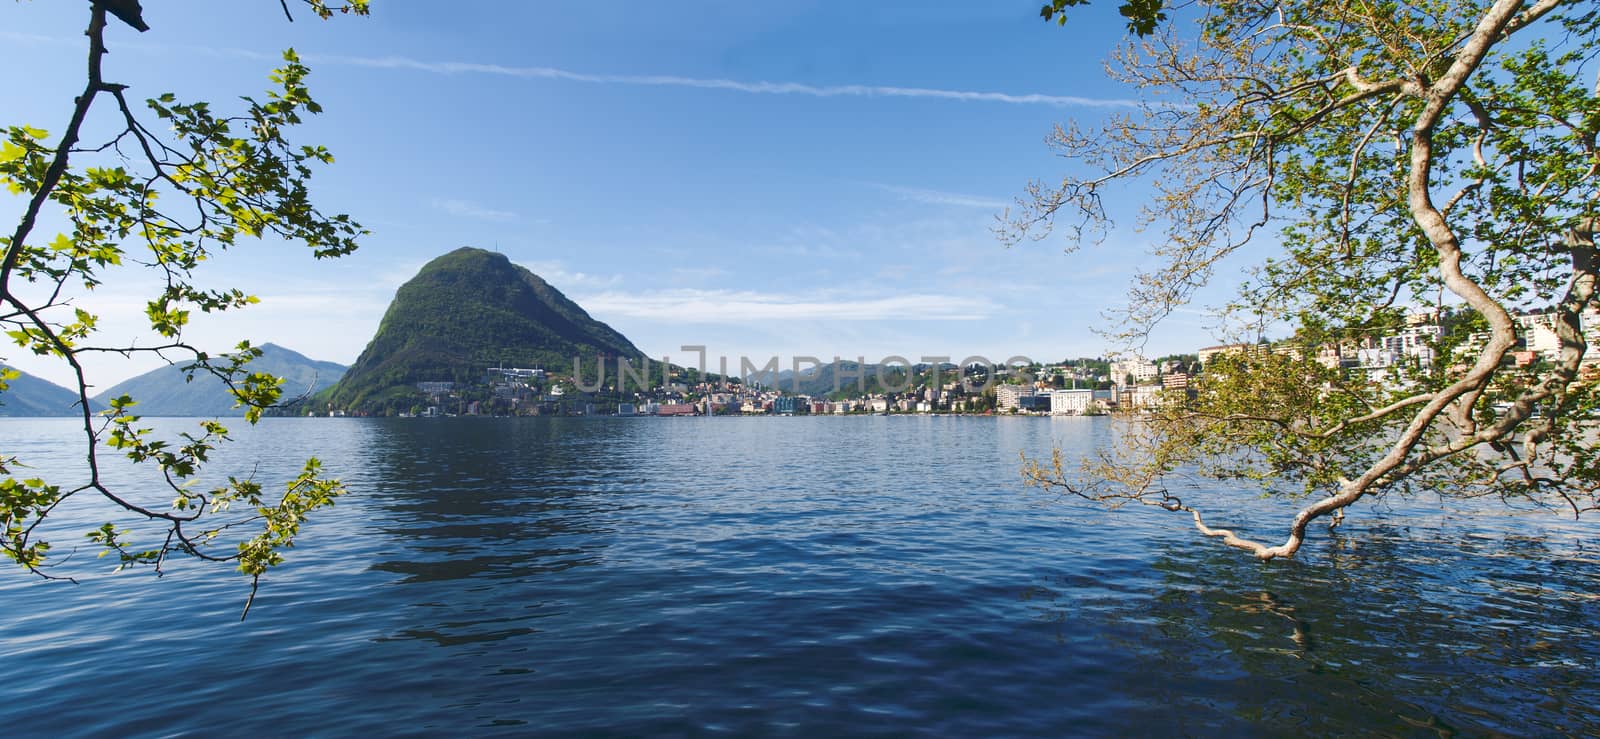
(33, 396)
(463, 312)
(165, 392)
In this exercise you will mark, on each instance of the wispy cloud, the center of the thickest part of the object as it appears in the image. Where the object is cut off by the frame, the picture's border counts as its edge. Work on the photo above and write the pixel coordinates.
(556, 273)
(468, 209)
(937, 197)
(758, 87)
(34, 38)
(711, 83)
(748, 307)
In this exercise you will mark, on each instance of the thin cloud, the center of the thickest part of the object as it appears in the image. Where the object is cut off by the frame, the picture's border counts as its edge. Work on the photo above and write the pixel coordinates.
(937, 197)
(33, 38)
(748, 307)
(760, 87)
(754, 88)
(556, 273)
(467, 209)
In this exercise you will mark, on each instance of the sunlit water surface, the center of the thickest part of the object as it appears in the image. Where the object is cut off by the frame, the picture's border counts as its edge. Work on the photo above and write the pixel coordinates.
(804, 576)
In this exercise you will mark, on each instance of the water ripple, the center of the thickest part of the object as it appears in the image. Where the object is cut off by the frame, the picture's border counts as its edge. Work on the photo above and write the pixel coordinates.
(809, 576)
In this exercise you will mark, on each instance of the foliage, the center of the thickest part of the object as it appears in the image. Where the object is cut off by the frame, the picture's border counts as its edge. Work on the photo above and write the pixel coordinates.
(1143, 15)
(1429, 165)
(208, 182)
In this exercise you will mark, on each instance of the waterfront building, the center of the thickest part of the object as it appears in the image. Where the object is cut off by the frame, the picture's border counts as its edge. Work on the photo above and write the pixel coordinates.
(1009, 397)
(1070, 402)
(788, 405)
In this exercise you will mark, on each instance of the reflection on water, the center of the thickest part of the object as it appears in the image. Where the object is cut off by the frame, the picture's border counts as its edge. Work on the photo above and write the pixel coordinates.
(1434, 630)
(811, 576)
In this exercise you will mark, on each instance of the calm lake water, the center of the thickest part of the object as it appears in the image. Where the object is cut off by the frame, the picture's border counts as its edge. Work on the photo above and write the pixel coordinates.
(798, 576)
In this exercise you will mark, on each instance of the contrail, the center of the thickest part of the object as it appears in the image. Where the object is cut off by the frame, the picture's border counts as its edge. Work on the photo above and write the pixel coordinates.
(753, 88)
(642, 80)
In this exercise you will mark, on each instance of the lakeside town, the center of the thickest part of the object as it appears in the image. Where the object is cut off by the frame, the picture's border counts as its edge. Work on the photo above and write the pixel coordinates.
(1072, 387)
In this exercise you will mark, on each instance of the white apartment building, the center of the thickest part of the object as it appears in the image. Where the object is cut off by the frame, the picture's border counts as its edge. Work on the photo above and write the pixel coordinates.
(1009, 397)
(1539, 334)
(1143, 370)
(1070, 402)
(1414, 341)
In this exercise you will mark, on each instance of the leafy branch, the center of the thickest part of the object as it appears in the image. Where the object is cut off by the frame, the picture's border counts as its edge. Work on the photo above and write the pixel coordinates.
(199, 188)
(1484, 209)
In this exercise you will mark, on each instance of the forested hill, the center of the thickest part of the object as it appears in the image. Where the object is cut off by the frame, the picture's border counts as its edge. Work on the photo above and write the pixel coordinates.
(465, 311)
(26, 395)
(166, 391)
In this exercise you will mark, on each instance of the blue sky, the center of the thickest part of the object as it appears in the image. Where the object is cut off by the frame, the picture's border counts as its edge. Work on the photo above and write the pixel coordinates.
(804, 178)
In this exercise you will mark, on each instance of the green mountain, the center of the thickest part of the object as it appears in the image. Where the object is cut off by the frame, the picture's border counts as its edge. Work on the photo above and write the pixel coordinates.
(165, 392)
(464, 312)
(32, 396)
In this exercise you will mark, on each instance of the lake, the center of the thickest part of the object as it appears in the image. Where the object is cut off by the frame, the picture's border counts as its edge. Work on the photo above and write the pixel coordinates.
(808, 576)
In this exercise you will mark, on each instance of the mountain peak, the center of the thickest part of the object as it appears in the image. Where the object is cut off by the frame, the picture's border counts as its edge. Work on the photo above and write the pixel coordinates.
(168, 391)
(466, 310)
(26, 395)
